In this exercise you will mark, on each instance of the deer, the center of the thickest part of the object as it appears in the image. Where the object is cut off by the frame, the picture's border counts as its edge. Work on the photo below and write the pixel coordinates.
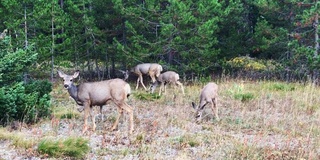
(165, 78)
(209, 94)
(91, 94)
(151, 69)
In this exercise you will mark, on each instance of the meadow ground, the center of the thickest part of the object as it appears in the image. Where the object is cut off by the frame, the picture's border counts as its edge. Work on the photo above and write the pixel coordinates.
(259, 120)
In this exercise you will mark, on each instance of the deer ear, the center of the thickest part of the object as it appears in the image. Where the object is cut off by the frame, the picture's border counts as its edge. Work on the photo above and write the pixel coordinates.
(61, 74)
(76, 74)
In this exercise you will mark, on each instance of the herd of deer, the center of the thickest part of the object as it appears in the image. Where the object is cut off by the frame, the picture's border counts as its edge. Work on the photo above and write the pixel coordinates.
(117, 90)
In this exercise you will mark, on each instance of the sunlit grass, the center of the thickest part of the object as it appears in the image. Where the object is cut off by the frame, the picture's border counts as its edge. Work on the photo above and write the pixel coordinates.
(259, 120)
(18, 139)
(70, 147)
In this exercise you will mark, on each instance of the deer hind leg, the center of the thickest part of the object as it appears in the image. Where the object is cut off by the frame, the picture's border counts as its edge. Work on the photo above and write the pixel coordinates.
(140, 79)
(165, 87)
(115, 124)
(129, 110)
(93, 118)
(101, 113)
(214, 108)
(181, 86)
(160, 88)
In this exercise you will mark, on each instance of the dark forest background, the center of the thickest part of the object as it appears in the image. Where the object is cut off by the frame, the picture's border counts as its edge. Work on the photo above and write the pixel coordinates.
(253, 39)
(258, 39)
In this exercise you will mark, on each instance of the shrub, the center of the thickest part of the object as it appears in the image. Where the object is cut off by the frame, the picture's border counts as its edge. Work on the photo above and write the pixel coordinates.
(25, 102)
(244, 97)
(282, 87)
(21, 101)
(71, 147)
(147, 96)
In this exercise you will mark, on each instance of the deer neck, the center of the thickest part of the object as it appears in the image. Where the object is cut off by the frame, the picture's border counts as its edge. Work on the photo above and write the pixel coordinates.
(73, 92)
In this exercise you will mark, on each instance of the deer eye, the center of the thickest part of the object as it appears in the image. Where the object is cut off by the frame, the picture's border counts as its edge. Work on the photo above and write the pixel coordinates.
(70, 80)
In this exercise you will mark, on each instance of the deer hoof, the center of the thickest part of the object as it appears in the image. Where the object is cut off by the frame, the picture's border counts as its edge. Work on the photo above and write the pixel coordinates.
(113, 129)
(84, 129)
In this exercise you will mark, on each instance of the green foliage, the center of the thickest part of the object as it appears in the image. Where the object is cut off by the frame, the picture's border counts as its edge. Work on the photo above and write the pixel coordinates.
(25, 102)
(13, 63)
(244, 97)
(147, 96)
(238, 92)
(248, 63)
(282, 87)
(195, 37)
(22, 101)
(71, 147)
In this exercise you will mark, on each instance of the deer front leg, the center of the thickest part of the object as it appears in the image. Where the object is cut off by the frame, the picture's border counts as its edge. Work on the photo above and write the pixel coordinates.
(129, 110)
(86, 114)
(214, 108)
(115, 124)
(152, 76)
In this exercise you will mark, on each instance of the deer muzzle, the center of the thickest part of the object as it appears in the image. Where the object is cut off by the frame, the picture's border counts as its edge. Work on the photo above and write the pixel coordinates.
(66, 86)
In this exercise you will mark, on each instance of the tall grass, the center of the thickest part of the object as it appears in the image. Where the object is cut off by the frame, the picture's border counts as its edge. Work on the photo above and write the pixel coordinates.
(259, 120)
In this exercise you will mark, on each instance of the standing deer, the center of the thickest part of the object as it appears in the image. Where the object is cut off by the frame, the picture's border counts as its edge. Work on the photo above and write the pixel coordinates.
(151, 69)
(209, 94)
(98, 94)
(164, 79)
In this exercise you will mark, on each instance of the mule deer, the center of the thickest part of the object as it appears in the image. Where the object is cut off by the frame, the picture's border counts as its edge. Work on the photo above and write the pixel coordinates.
(209, 94)
(98, 94)
(164, 79)
(151, 69)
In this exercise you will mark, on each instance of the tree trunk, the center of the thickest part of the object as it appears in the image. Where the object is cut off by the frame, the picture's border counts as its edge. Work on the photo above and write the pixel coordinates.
(52, 44)
(316, 35)
(25, 27)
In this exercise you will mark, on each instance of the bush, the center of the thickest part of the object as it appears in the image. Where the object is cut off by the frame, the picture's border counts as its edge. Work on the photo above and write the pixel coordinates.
(21, 101)
(25, 102)
(244, 97)
(282, 87)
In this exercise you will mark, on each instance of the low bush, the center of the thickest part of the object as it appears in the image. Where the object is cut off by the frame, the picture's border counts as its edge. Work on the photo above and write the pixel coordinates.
(71, 147)
(25, 102)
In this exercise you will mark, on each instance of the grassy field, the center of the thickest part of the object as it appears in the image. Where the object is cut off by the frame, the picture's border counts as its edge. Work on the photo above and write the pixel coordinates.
(259, 120)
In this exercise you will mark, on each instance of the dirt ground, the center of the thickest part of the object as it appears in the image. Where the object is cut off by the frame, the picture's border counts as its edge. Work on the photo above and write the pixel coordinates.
(165, 129)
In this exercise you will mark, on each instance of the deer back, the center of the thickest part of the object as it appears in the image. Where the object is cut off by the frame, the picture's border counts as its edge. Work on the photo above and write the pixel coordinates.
(168, 76)
(98, 93)
(209, 92)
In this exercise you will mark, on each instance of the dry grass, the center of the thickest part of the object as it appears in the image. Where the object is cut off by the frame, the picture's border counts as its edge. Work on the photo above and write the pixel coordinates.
(259, 120)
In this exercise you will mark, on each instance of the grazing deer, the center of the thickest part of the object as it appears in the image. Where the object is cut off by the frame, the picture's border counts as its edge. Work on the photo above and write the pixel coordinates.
(151, 69)
(98, 94)
(209, 94)
(165, 78)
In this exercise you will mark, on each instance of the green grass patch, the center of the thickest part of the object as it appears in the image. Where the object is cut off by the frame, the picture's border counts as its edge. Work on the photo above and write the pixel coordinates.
(147, 96)
(71, 147)
(244, 97)
(281, 87)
